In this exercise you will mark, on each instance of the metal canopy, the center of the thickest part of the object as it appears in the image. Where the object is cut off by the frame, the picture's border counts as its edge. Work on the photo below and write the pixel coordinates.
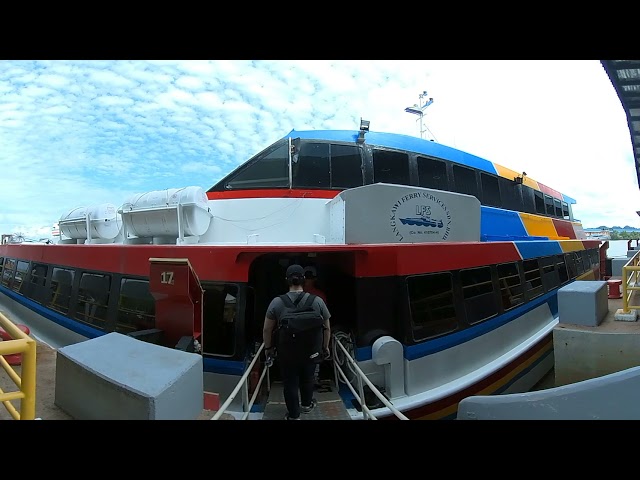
(625, 77)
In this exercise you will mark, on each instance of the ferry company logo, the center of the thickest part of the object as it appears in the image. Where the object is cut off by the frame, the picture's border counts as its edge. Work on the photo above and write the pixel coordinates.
(420, 216)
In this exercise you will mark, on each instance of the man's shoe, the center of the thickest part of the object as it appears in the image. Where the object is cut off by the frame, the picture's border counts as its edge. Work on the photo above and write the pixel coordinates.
(307, 409)
(286, 417)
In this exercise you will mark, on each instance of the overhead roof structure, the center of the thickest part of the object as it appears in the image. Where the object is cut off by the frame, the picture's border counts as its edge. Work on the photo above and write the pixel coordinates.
(625, 77)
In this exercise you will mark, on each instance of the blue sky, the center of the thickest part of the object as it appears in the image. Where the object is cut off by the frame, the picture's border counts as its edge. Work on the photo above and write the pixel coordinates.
(79, 133)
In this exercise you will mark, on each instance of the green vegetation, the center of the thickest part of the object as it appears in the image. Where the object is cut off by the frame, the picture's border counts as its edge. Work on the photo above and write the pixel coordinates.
(624, 235)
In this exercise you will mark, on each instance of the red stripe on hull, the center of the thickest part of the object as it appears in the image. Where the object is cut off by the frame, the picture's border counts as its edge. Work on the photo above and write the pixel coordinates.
(564, 228)
(273, 193)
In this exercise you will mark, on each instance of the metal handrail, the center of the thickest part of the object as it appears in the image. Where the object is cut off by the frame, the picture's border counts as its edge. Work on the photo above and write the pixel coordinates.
(630, 282)
(361, 376)
(26, 383)
(242, 383)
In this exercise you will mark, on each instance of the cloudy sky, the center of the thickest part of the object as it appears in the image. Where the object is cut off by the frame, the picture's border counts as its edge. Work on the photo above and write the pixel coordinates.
(79, 133)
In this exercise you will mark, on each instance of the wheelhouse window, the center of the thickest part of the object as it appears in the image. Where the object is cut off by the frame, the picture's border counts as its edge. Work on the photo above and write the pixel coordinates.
(510, 194)
(61, 283)
(565, 211)
(480, 301)
(346, 167)
(432, 173)
(511, 289)
(93, 298)
(220, 304)
(136, 306)
(539, 202)
(268, 171)
(548, 205)
(490, 190)
(431, 304)
(465, 180)
(532, 278)
(390, 167)
(557, 207)
(311, 167)
(528, 199)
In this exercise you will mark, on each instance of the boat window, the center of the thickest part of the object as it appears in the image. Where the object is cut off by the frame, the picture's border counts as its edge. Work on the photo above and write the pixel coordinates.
(270, 171)
(539, 198)
(432, 173)
(580, 266)
(565, 211)
(136, 306)
(510, 194)
(571, 265)
(1, 263)
(431, 302)
(490, 190)
(561, 266)
(548, 202)
(20, 276)
(311, 169)
(550, 276)
(35, 289)
(8, 271)
(595, 258)
(220, 310)
(511, 289)
(586, 261)
(557, 207)
(390, 167)
(61, 283)
(480, 301)
(465, 181)
(533, 281)
(528, 199)
(93, 298)
(346, 167)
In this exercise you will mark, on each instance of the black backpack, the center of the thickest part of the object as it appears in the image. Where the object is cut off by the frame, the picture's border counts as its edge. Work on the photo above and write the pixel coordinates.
(300, 330)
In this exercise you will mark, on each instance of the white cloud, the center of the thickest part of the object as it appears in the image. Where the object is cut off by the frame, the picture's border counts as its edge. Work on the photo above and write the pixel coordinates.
(74, 133)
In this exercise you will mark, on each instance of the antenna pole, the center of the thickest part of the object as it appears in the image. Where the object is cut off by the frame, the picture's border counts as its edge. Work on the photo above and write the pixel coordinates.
(419, 108)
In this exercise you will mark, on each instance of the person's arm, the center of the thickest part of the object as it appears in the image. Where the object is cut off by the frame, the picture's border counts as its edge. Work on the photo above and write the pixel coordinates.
(327, 334)
(267, 332)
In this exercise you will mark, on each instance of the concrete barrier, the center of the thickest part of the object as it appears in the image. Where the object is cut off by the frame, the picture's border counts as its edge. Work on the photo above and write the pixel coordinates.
(116, 377)
(611, 397)
(583, 302)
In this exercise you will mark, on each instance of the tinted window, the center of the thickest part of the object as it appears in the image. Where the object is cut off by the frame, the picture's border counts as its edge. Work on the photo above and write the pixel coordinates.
(548, 205)
(346, 167)
(539, 199)
(93, 298)
(557, 207)
(390, 167)
(136, 306)
(20, 276)
(490, 190)
(550, 276)
(61, 283)
(8, 271)
(511, 290)
(465, 180)
(480, 302)
(533, 281)
(570, 261)
(432, 173)
(528, 202)
(431, 304)
(565, 210)
(271, 170)
(561, 266)
(510, 194)
(35, 289)
(312, 166)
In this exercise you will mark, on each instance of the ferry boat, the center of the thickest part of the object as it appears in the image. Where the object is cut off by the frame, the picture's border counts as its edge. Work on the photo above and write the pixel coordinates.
(441, 269)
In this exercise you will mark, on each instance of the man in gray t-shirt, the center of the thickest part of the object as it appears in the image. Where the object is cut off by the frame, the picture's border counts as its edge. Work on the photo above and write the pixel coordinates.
(296, 376)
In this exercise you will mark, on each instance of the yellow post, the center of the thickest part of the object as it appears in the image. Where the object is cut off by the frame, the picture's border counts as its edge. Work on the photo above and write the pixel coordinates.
(28, 403)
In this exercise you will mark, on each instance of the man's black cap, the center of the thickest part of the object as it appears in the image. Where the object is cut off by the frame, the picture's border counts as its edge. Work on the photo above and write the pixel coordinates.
(295, 270)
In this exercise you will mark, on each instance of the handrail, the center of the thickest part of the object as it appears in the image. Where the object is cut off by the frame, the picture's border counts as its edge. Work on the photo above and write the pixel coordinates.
(361, 376)
(26, 383)
(630, 282)
(243, 383)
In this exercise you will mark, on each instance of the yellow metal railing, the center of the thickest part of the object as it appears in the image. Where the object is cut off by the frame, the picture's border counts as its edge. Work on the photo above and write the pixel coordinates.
(23, 344)
(630, 282)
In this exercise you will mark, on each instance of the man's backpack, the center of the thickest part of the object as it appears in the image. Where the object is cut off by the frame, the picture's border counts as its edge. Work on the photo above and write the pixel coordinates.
(300, 329)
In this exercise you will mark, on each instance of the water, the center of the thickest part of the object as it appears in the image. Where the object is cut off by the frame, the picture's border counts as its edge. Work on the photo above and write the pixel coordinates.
(618, 248)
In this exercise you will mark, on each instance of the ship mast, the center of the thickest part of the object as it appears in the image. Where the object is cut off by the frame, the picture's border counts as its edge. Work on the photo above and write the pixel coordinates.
(419, 108)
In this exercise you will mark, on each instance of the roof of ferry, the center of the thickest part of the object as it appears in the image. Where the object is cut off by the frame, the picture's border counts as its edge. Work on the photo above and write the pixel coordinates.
(404, 142)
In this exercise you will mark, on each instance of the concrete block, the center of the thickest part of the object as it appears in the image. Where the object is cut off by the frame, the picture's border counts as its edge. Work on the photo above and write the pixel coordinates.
(616, 266)
(583, 302)
(631, 316)
(116, 377)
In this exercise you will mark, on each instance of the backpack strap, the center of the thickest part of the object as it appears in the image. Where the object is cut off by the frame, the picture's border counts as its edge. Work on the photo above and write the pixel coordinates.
(309, 300)
(293, 304)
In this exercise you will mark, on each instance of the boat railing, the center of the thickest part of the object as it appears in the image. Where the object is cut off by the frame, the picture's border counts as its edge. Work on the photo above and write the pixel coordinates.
(361, 381)
(243, 385)
(20, 344)
(630, 272)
